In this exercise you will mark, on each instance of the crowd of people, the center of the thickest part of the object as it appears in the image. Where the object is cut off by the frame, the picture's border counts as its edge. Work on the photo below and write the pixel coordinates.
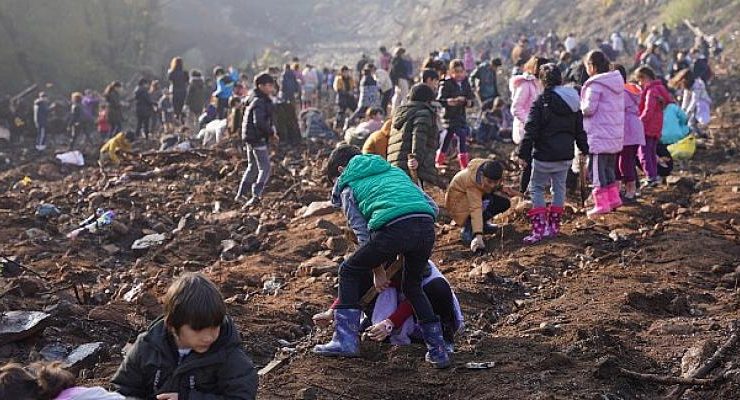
(569, 101)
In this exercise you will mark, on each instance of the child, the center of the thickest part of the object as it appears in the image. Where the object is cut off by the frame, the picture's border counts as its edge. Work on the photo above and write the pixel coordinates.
(369, 94)
(144, 108)
(471, 200)
(257, 131)
(379, 198)
(555, 123)
(193, 352)
(696, 102)
(104, 127)
(634, 137)
(413, 138)
(167, 111)
(377, 142)
(114, 148)
(224, 89)
(76, 123)
(602, 104)
(455, 95)
(42, 381)
(653, 100)
(41, 119)
(357, 135)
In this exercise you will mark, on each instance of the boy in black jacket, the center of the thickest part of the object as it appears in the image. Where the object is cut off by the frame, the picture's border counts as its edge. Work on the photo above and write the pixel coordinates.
(555, 122)
(257, 131)
(193, 352)
(455, 95)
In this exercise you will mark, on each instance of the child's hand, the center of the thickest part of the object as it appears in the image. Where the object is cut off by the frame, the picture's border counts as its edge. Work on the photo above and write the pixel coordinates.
(381, 330)
(167, 396)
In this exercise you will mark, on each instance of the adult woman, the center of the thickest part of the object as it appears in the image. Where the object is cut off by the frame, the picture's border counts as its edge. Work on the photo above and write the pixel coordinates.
(115, 109)
(178, 78)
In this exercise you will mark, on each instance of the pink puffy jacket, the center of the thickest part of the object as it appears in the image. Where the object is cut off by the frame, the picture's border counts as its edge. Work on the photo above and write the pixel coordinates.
(634, 134)
(524, 91)
(602, 103)
(654, 99)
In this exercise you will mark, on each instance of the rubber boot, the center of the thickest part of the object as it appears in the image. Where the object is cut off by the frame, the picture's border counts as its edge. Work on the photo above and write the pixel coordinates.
(436, 346)
(601, 202)
(463, 158)
(346, 339)
(538, 217)
(615, 200)
(440, 160)
(554, 214)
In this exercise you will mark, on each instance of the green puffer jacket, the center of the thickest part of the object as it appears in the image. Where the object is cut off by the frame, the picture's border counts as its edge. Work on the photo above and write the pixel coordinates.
(382, 192)
(415, 131)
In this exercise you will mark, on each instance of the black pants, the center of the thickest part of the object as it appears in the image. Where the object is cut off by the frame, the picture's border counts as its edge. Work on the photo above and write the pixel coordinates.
(385, 100)
(524, 177)
(439, 293)
(143, 123)
(414, 238)
(493, 205)
(222, 108)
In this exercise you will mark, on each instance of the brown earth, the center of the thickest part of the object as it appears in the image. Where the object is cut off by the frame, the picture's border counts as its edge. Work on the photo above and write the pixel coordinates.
(642, 285)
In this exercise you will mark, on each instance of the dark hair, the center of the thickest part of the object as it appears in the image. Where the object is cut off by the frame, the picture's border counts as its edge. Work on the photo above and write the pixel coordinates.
(492, 170)
(193, 300)
(234, 101)
(373, 111)
(340, 157)
(344, 68)
(428, 74)
(263, 78)
(219, 71)
(40, 381)
(496, 62)
(383, 49)
(684, 79)
(422, 93)
(550, 75)
(621, 69)
(143, 81)
(195, 72)
(598, 60)
(457, 63)
(646, 72)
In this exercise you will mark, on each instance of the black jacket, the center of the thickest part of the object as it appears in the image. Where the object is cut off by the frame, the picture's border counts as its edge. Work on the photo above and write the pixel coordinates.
(552, 127)
(455, 116)
(144, 103)
(258, 119)
(152, 367)
(415, 131)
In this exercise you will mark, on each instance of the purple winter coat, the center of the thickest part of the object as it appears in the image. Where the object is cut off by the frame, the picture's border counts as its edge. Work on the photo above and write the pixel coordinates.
(602, 103)
(634, 132)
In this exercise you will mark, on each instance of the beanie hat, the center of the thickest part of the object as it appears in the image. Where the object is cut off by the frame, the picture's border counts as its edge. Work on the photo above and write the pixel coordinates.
(263, 78)
(492, 170)
(421, 92)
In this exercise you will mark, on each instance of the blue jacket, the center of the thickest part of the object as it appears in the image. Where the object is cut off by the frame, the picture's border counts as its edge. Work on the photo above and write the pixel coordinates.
(225, 85)
(675, 124)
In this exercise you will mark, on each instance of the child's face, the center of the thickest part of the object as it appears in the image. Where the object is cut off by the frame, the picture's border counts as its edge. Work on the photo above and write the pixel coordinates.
(489, 184)
(200, 341)
(457, 74)
(267, 88)
(432, 83)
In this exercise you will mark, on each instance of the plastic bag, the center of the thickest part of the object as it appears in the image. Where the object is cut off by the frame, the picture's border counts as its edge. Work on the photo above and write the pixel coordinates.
(684, 149)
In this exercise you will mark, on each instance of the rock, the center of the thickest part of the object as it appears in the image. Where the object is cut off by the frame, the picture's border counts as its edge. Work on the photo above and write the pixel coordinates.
(704, 209)
(47, 211)
(111, 249)
(307, 394)
(555, 360)
(669, 208)
(337, 244)
(28, 286)
(133, 293)
(240, 298)
(696, 355)
(53, 352)
(251, 243)
(104, 313)
(318, 208)
(36, 234)
(230, 250)
(722, 269)
(730, 280)
(226, 216)
(148, 241)
(64, 309)
(319, 262)
(328, 226)
(735, 189)
(85, 356)
(683, 211)
(19, 325)
(321, 270)
(662, 327)
(682, 182)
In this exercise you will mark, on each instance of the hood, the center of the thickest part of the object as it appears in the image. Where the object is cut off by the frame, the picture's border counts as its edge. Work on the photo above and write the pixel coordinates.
(197, 79)
(517, 80)
(409, 111)
(568, 97)
(611, 80)
(363, 166)
(158, 337)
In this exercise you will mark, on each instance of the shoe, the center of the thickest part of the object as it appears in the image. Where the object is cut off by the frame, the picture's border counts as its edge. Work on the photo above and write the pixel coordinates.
(440, 160)
(436, 346)
(346, 339)
(601, 202)
(538, 217)
(614, 199)
(463, 159)
(554, 215)
(627, 199)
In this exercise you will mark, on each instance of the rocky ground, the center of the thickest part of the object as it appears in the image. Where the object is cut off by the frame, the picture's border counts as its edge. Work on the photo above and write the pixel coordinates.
(652, 288)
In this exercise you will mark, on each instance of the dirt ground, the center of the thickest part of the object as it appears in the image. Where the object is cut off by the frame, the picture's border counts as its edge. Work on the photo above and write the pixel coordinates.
(640, 286)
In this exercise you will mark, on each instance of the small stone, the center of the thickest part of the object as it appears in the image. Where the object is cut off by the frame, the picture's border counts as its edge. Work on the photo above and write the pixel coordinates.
(111, 249)
(318, 208)
(36, 234)
(328, 226)
(722, 269)
(307, 394)
(704, 210)
(695, 356)
(326, 269)
(683, 211)
(337, 244)
(730, 280)
(735, 189)
(85, 356)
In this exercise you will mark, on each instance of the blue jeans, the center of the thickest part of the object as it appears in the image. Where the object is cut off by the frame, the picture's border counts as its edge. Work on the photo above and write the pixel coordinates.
(552, 173)
(412, 237)
(258, 170)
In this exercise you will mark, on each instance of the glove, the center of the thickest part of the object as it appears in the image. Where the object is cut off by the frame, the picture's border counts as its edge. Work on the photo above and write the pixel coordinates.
(477, 244)
(381, 330)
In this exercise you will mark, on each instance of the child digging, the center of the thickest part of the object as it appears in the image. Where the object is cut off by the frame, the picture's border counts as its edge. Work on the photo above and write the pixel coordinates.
(391, 216)
(555, 123)
(193, 352)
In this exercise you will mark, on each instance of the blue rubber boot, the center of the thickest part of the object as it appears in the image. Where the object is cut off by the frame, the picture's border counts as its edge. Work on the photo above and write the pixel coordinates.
(436, 346)
(346, 339)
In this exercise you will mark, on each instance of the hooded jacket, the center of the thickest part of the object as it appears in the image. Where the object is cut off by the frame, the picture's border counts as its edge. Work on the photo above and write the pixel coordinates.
(555, 123)
(602, 104)
(257, 121)
(634, 133)
(197, 96)
(524, 91)
(464, 198)
(455, 116)
(382, 192)
(653, 101)
(414, 131)
(153, 367)
(115, 145)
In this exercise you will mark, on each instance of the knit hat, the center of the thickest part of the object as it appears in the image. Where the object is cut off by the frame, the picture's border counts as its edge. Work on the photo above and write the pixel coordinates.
(492, 170)
(421, 92)
(263, 78)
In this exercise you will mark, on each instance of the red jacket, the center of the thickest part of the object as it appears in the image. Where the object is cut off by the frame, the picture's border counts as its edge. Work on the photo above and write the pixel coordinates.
(653, 100)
